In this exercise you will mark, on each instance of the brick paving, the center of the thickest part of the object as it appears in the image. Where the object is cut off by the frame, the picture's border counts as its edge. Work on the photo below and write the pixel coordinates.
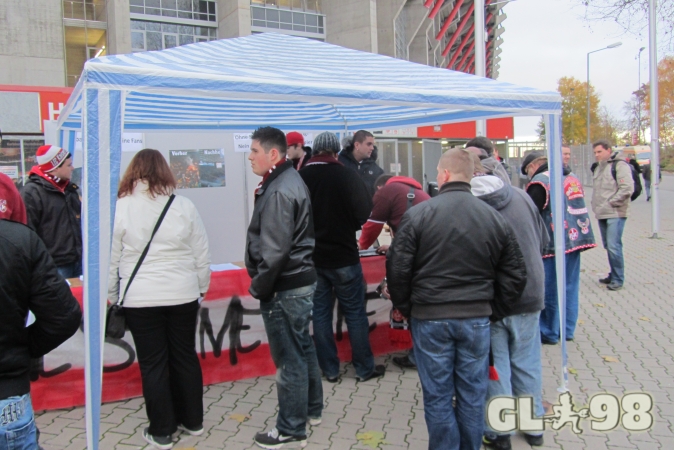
(634, 327)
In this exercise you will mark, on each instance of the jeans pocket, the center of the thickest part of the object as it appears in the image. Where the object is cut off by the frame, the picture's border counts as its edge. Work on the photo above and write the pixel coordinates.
(481, 338)
(23, 437)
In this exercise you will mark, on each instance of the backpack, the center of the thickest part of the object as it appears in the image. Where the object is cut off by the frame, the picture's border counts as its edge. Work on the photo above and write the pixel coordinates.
(635, 177)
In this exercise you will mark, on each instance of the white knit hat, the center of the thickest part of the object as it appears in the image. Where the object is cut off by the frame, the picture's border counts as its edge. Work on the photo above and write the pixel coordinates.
(49, 157)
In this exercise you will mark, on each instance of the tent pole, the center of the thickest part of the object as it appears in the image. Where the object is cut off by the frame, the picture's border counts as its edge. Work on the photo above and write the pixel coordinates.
(655, 119)
(553, 128)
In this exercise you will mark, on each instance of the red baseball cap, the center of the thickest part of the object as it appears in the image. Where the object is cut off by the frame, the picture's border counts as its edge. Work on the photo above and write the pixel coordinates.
(295, 138)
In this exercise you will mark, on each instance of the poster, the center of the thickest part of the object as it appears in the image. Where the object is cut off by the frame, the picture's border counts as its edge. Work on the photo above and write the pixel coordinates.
(242, 141)
(11, 171)
(198, 168)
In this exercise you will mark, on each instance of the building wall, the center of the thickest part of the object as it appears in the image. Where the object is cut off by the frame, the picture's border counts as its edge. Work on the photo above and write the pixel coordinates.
(233, 18)
(31, 43)
(119, 27)
(352, 23)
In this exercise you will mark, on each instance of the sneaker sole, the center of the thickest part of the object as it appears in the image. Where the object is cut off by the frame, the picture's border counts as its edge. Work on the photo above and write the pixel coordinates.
(315, 422)
(191, 432)
(296, 444)
(157, 444)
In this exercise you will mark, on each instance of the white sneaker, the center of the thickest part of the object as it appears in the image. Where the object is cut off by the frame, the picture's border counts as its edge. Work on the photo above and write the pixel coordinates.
(314, 421)
(194, 432)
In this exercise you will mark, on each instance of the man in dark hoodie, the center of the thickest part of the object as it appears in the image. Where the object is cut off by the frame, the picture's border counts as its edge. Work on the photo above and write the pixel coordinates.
(29, 281)
(357, 155)
(515, 339)
(492, 164)
(341, 205)
(578, 236)
(54, 208)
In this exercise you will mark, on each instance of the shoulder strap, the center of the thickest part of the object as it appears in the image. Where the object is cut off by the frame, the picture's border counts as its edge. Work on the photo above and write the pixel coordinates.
(147, 247)
(410, 198)
(613, 170)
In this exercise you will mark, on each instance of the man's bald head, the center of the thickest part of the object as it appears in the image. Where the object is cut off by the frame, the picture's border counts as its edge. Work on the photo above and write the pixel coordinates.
(456, 164)
(482, 154)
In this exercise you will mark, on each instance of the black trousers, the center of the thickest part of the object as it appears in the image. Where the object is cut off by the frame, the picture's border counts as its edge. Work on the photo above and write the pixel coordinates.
(172, 381)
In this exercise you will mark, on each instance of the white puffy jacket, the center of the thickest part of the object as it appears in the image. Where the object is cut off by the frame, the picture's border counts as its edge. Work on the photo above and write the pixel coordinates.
(176, 269)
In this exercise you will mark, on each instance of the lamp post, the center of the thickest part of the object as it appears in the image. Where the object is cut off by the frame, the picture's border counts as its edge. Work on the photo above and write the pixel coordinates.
(639, 97)
(614, 45)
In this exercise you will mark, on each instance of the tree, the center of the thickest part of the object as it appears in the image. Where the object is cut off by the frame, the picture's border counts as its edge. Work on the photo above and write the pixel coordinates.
(609, 127)
(574, 112)
(666, 99)
(636, 118)
(632, 15)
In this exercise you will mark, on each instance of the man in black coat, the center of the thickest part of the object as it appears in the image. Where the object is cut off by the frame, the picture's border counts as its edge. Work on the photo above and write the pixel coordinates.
(341, 205)
(29, 282)
(361, 155)
(54, 208)
(454, 263)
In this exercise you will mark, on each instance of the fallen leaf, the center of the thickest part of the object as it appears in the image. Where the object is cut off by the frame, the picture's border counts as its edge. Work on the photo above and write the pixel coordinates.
(645, 319)
(372, 439)
(573, 371)
(610, 359)
(240, 417)
(599, 305)
(582, 270)
(580, 322)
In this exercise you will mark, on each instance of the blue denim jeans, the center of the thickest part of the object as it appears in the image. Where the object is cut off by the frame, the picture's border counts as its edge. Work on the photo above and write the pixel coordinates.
(73, 270)
(550, 315)
(17, 424)
(453, 359)
(298, 379)
(612, 238)
(349, 288)
(516, 346)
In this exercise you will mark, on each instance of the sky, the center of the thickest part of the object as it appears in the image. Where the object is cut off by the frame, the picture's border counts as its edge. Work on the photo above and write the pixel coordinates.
(545, 40)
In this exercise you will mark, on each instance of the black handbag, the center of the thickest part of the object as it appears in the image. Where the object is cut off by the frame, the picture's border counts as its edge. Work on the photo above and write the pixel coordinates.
(115, 322)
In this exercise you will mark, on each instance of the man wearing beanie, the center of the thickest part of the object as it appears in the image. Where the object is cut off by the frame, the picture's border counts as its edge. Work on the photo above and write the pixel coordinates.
(54, 208)
(341, 205)
(297, 153)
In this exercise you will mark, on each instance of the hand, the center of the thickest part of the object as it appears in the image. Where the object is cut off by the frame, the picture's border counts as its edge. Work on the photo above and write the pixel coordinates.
(382, 249)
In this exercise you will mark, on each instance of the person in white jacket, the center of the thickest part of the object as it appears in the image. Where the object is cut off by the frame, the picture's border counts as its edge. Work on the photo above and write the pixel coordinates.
(161, 304)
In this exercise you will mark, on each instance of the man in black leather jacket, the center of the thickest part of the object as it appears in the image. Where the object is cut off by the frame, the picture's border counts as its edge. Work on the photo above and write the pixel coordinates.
(29, 281)
(454, 263)
(279, 249)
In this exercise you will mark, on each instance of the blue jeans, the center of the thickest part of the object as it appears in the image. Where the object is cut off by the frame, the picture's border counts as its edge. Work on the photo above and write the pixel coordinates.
(453, 359)
(612, 238)
(73, 270)
(349, 288)
(516, 346)
(550, 315)
(17, 424)
(298, 379)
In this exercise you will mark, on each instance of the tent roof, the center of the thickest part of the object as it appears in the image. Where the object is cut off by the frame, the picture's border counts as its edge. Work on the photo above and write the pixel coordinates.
(292, 82)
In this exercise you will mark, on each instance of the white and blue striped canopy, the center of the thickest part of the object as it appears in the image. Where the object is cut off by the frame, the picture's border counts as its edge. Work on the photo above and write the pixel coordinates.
(292, 82)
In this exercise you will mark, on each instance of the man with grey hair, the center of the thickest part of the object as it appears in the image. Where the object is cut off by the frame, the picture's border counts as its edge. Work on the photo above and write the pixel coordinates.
(341, 205)
(454, 264)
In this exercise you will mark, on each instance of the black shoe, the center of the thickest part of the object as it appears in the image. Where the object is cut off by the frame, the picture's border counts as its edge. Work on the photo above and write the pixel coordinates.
(376, 373)
(606, 280)
(534, 441)
(163, 442)
(195, 431)
(614, 287)
(404, 362)
(569, 339)
(547, 342)
(275, 439)
(500, 443)
(332, 379)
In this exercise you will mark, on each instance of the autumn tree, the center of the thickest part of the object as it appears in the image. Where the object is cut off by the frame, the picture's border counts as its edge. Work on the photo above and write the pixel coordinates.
(636, 118)
(666, 99)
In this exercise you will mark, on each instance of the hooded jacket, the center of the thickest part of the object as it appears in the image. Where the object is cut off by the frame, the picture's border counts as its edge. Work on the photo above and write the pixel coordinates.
(611, 197)
(280, 239)
(519, 211)
(455, 257)
(367, 169)
(11, 203)
(495, 167)
(54, 215)
(29, 281)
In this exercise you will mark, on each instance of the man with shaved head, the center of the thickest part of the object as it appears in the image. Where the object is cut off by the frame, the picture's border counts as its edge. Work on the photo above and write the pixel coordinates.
(454, 265)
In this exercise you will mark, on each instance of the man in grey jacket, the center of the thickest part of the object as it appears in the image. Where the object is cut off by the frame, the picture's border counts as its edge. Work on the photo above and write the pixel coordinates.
(610, 203)
(279, 249)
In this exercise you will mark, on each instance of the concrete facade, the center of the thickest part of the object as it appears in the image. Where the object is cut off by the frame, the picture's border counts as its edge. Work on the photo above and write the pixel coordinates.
(233, 18)
(352, 23)
(119, 27)
(31, 43)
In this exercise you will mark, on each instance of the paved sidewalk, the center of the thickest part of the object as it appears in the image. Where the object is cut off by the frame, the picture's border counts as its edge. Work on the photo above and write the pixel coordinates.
(632, 328)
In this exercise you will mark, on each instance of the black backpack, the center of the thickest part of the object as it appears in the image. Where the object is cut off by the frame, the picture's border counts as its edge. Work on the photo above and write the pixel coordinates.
(635, 176)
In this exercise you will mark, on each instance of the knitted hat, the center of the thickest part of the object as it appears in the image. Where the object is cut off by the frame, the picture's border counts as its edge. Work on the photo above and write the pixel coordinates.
(531, 157)
(326, 141)
(295, 138)
(49, 157)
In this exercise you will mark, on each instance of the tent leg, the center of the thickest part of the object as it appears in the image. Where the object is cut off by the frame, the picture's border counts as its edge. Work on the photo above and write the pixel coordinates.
(553, 128)
(102, 128)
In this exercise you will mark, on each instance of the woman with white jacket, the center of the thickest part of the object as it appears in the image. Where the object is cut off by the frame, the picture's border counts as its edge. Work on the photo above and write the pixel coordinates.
(161, 304)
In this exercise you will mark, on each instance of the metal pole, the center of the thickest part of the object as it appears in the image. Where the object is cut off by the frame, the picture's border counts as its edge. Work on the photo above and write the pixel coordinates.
(480, 126)
(639, 99)
(655, 118)
(588, 100)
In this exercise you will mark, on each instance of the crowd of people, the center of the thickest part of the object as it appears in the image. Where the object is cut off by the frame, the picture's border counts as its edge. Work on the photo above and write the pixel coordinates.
(470, 274)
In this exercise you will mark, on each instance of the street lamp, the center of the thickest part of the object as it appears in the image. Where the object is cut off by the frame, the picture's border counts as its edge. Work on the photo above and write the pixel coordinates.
(639, 96)
(614, 45)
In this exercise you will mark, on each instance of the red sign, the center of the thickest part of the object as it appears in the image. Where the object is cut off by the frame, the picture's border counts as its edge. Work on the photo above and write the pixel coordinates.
(52, 100)
(500, 129)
